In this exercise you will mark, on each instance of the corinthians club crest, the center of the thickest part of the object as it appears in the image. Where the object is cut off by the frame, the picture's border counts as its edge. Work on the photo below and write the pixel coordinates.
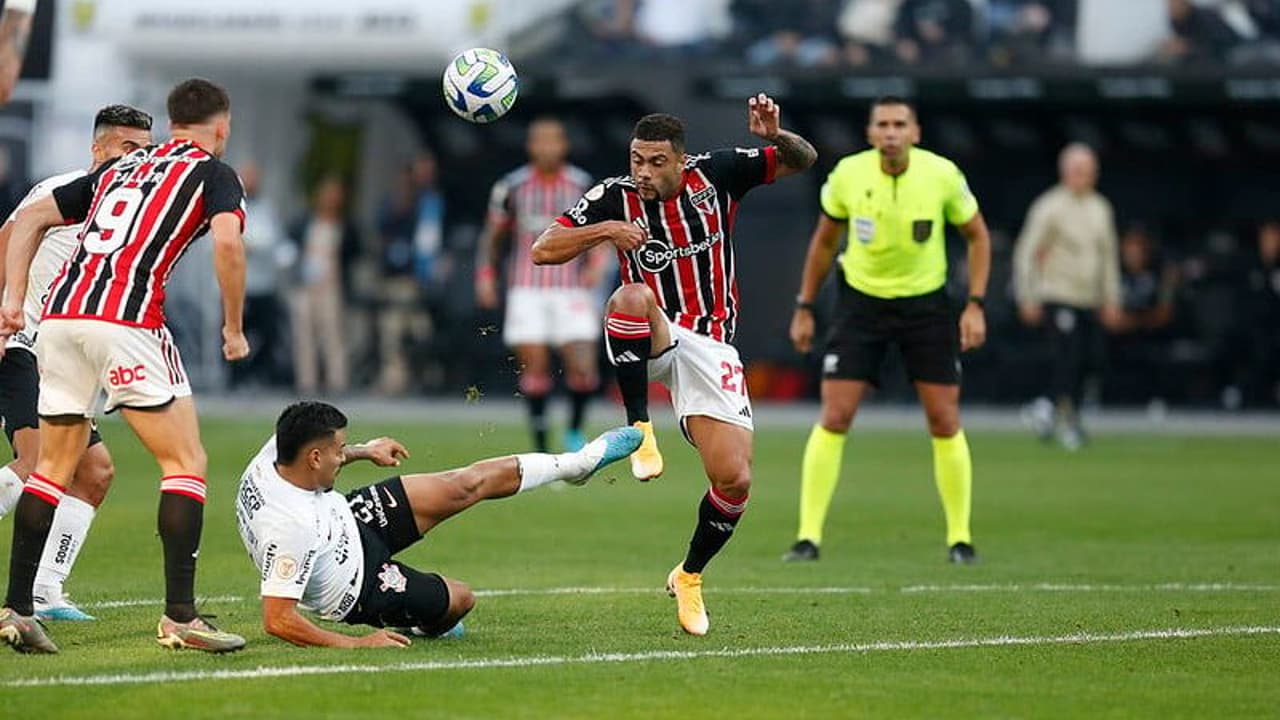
(391, 578)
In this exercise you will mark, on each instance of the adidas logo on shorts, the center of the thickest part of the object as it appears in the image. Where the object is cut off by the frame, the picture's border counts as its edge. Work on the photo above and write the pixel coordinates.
(626, 357)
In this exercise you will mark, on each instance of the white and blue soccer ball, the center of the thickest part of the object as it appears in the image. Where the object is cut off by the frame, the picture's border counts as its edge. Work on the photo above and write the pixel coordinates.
(480, 85)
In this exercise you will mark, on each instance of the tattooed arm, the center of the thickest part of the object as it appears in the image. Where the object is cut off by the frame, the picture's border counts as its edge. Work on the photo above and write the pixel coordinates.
(15, 31)
(795, 154)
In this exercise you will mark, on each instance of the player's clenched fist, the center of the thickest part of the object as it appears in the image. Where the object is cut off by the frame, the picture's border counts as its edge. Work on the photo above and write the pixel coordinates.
(626, 236)
(234, 345)
(11, 320)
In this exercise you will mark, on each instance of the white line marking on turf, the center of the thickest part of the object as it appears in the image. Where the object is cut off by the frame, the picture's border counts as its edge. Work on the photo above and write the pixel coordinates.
(638, 657)
(854, 590)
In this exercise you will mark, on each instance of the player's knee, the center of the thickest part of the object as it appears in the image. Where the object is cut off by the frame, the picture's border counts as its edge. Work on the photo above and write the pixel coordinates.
(461, 599)
(633, 299)
(583, 381)
(93, 479)
(943, 423)
(535, 383)
(733, 482)
(837, 417)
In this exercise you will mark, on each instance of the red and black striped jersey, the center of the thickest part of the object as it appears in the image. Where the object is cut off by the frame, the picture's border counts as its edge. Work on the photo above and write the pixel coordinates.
(140, 213)
(526, 201)
(688, 259)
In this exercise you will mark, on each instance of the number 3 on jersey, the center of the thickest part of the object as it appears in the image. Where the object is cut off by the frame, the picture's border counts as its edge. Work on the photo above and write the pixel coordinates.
(109, 228)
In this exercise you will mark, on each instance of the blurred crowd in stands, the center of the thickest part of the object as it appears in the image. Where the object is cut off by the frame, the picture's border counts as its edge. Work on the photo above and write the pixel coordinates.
(932, 33)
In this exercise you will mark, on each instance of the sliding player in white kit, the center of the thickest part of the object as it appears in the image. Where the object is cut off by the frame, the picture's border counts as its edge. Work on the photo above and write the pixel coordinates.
(316, 549)
(117, 130)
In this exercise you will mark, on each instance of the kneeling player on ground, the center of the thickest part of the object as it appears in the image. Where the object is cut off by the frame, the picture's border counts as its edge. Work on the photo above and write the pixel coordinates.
(333, 554)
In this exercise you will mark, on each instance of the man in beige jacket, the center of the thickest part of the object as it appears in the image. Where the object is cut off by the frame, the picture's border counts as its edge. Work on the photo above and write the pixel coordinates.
(1067, 280)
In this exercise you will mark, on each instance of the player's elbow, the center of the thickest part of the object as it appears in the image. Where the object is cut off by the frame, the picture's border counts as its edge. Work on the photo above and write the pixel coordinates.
(541, 254)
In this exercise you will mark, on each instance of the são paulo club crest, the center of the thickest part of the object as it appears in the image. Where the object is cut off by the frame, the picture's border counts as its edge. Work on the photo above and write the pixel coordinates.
(392, 579)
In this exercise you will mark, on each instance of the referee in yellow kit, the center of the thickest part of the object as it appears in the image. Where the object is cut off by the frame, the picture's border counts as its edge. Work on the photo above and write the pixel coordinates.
(894, 201)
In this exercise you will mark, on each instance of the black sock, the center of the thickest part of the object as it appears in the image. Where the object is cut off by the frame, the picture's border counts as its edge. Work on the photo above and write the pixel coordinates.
(538, 420)
(31, 521)
(180, 521)
(578, 408)
(717, 517)
(627, 339)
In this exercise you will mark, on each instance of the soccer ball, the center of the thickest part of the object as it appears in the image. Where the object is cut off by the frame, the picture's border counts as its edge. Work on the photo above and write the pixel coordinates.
(480, 85)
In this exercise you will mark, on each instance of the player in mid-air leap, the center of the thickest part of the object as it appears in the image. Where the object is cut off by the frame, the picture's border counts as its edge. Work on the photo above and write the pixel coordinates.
(332, 554)
(674, 317)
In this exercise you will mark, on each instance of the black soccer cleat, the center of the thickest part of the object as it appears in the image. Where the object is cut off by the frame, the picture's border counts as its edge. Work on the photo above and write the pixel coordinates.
(962, 553)
(802, 551)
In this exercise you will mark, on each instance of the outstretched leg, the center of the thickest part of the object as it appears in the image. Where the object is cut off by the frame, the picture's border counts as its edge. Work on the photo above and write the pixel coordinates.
(635, 329)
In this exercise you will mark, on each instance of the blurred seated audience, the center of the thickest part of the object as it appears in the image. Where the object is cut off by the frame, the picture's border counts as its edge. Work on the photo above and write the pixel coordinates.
(934, 32)
(866, 29)
(800, 33)
(1197, 35)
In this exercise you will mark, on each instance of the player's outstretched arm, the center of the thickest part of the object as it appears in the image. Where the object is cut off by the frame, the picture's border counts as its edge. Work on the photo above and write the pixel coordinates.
(15, 31)
(229, 266)
(559, 244)
(29, 226)
(280, 618)
(973, 322)
(764, 118)
(817, 264)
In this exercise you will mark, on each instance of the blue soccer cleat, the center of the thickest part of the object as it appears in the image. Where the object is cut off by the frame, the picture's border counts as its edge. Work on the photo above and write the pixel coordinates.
(51, 604)
(574, 440)
(607, 449)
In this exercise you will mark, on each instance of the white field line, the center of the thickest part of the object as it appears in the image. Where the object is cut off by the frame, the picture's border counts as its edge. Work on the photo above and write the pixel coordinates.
(596, 658)
(853, 590)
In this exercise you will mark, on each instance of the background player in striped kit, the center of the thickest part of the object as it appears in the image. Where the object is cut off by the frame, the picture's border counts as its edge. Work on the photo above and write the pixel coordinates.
(103, 329)
(117, 130)
(674, 317)
(548, 307)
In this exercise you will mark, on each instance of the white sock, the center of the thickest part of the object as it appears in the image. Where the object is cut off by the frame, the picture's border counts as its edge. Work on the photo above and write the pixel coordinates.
(538, 469)
(71, 523)
(10, 490)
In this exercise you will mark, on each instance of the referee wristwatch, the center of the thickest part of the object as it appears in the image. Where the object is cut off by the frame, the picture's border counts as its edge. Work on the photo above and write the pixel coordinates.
(979, 300)
(802, 304)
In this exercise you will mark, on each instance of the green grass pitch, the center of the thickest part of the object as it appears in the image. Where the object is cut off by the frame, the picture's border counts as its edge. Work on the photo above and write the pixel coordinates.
(1087, 560)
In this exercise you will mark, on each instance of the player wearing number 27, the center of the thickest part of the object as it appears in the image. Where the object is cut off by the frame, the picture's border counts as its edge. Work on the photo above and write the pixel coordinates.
(674, 317)
(103, 329)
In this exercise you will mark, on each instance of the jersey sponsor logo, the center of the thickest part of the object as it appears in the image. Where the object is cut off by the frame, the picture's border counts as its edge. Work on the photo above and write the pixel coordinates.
(21, 338)
(269, 560)
(656, 256)
(864, 229)
(306, 567)
(121, 375)
(391, 579)
(65, 544)
(250, 498)
(344, 605)
(748, 152)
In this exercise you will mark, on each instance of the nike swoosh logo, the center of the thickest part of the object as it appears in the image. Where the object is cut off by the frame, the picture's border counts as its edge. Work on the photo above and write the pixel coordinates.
(391, 501)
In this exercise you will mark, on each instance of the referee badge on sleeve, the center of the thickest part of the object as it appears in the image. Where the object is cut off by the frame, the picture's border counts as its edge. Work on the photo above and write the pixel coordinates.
(864, 229)
(921, 230)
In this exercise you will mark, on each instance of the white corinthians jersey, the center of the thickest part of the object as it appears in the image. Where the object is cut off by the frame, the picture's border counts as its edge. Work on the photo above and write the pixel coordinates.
(305, 543)
(55, 249)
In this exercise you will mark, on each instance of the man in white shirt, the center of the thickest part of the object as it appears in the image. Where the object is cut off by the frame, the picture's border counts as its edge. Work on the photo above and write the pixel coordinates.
(331, 554)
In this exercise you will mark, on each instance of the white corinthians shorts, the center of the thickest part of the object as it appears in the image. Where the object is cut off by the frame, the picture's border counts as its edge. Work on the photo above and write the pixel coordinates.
(705, 378)
(550, 316)
(137, 367)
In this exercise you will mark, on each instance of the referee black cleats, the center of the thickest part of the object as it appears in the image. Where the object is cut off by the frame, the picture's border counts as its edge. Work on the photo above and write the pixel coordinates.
(802, 551)
(962, 553)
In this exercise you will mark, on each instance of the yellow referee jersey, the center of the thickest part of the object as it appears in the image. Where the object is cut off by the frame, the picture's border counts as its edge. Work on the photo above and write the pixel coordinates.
(896, 244)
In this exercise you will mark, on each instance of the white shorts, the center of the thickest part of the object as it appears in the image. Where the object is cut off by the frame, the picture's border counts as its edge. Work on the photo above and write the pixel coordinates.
(551, 316)
(137, 367)
(705, 377)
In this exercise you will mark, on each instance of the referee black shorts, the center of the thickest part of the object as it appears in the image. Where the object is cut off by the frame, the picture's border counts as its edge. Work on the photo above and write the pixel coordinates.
(923, 327)
(393, 594)
(20, 395)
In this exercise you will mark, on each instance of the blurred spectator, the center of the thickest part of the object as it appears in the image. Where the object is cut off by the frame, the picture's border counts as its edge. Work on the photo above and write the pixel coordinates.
(1138, 349)
(1199, 34)
(866, 27)
(608, 26)
(1022, 30)
(428, 232)
(326, 244)
(801, 33)
(1262, 307)
(687, 27)
(1067, 280)
(264, 244)
(934, 31)
(400, 318)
